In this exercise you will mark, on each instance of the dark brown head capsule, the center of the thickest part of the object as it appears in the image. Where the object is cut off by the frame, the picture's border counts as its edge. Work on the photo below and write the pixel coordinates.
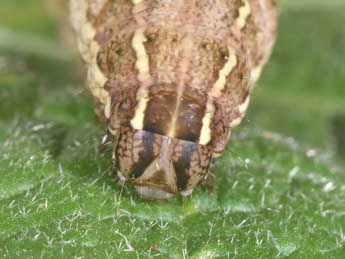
(159, 166)
(173, 78)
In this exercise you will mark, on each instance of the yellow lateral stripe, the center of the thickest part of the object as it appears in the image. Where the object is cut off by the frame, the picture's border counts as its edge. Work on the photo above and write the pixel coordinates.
(136, 1)
(216, 91)
(242, 108)
(142, 63)
(244, 13)
(255, 74)
(143, 98)
(224, 73)
(142, 66)
(89, 48)
(205, 134)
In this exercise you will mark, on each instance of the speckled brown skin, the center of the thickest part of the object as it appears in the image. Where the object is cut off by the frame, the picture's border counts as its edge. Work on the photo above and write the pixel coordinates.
(174, 77)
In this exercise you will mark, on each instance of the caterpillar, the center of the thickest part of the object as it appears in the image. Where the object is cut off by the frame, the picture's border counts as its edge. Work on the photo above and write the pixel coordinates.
(172, 79)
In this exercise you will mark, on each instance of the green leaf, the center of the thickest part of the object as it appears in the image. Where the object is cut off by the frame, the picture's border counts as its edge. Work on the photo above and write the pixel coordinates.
(279, 188)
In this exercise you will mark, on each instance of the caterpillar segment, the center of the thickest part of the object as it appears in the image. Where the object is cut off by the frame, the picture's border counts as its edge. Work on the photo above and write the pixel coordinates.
(173, 79)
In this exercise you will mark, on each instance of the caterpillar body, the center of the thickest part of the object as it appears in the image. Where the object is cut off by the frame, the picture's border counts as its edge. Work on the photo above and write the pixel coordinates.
(172, 78)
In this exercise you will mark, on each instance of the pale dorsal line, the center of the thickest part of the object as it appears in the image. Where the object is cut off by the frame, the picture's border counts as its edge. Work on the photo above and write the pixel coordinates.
(244, 12)
(89, 49)
(216, 91)
(142, 66)
(183, 68)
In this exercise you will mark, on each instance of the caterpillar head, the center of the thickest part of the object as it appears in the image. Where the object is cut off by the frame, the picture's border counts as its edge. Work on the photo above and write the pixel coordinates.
(159, 166)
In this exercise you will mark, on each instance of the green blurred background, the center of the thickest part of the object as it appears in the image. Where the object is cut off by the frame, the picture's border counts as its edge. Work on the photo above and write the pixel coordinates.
(280, 187)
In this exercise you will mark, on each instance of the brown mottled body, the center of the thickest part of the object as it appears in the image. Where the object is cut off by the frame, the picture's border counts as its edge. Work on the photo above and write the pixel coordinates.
(173, 77)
